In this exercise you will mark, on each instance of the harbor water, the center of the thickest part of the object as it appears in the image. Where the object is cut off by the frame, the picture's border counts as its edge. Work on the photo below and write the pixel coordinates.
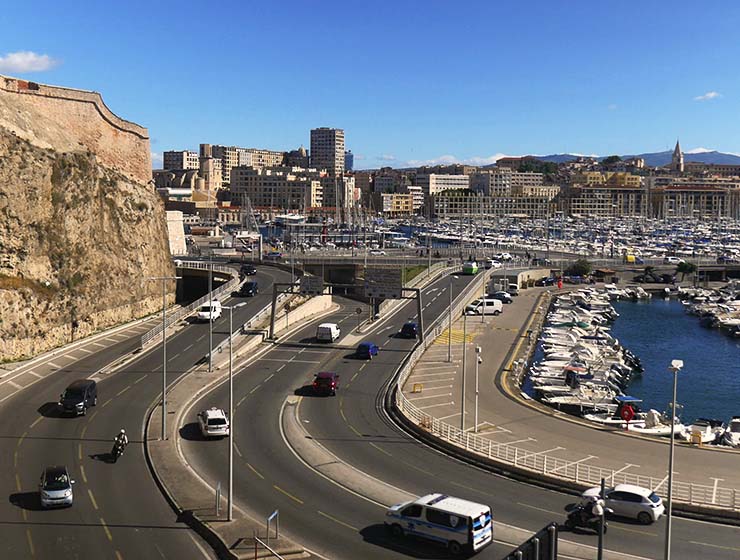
(658, 331)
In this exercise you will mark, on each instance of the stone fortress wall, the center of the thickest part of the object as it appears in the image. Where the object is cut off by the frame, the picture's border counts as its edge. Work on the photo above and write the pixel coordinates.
(75, 119)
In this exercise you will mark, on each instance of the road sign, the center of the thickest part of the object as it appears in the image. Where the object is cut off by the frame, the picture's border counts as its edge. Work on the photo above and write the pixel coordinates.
(312, 285)
(383, 283)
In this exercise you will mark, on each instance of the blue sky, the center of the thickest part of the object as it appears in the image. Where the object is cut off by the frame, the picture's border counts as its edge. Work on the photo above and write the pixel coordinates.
(409, 81)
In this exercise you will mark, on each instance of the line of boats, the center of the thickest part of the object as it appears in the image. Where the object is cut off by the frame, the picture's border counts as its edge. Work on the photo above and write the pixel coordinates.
(717, 308)
(581, 369)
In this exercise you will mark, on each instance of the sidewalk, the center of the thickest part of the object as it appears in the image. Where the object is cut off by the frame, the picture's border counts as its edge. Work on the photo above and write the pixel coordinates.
(556, 447)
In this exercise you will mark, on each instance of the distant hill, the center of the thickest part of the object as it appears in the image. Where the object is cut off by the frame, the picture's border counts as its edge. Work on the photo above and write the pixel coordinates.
(658, 159)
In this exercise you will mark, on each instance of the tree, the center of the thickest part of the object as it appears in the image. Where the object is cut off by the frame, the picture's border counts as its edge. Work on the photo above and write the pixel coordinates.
(686, 268)
(579, 268)
(611, 160)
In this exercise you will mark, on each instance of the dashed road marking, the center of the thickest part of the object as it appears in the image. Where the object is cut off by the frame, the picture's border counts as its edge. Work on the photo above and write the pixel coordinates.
(122, 391)
(92, 498)
(291, 496)
(57, 366)
(82, 472)
(142, 378)
(30, 542)
(715, 545)
(20, 440)
(107, 531)
(35, 422)
(335, 520)
(255, 471)
(105, 403)
(255, 388)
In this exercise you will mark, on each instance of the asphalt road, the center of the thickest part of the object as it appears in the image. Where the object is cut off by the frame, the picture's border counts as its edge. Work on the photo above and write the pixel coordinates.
(119, 511)
(338, 524)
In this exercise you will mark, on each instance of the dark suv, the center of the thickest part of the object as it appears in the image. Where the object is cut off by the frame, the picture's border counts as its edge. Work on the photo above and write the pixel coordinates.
(409, 330)
(247, 270)
(326, 383)
(78, 397)
(249, 289)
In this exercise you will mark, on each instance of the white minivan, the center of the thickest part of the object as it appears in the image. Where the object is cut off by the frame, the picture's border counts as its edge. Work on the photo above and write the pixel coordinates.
(461, 525)
(486, 306)
(327, 332)
(209, 311)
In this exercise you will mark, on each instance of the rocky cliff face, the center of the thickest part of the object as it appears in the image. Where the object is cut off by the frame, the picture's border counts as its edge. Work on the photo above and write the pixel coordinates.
(77, 241)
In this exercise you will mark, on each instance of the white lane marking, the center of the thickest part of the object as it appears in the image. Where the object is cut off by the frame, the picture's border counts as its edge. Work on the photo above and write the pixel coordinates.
(281, 367)
(71, 357)
(292, 360)
(188, 347)
(99, 345)
(14, 384)
(535, 453)
(269, 377)
(449, 416)
(428, 388)
(54, 365)
(35, 374)
(440, 404)
(85, 350)
(430, 397)
(570, 464)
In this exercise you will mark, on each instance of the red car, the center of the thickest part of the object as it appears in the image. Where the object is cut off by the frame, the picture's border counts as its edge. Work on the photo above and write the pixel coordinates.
(326, 383)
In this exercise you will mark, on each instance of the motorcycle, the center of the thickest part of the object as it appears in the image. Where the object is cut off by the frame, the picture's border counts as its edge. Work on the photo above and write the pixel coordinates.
(580, 516)
(117, 451)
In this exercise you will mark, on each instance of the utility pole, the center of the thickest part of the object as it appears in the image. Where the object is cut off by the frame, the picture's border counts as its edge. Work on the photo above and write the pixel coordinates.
(465, 347)
(210, 314)
(676, 366)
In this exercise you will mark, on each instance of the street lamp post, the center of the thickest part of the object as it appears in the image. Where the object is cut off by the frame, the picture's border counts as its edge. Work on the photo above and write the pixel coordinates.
(465, 348)
(449, 329)
(230, 511)
(164, 348)
(675, 367)
(478, 362)
(210, 316)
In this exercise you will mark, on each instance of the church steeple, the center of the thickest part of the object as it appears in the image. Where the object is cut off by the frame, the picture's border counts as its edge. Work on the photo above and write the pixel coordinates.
(677, 159)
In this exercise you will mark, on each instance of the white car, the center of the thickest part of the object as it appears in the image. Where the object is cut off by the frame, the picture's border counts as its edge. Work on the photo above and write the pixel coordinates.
(504, 257)
(628, 500)
(376, 252)
(213, 423)
(495, 264)
(673, 260)
(209, 311)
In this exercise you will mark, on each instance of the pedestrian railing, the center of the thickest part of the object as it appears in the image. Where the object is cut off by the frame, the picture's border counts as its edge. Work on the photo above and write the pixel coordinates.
(183, 312)
(542, 464)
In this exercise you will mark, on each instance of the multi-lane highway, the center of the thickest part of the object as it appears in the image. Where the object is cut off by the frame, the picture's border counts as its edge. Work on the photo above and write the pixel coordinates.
(340, 524)
(118, 510)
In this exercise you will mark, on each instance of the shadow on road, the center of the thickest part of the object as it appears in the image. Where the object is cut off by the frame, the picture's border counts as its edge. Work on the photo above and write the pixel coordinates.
(308, 391)
(191, 432)
(30, 501)
(52, 410)
(103, 457)
(379, 535)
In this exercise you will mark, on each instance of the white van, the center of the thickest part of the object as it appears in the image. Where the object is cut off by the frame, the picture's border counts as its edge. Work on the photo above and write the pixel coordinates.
(209, 311)
(459, 524)
(488, 306)
(327, 332)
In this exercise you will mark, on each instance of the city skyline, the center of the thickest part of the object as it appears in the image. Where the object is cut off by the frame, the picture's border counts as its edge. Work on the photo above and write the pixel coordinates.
(409, 87)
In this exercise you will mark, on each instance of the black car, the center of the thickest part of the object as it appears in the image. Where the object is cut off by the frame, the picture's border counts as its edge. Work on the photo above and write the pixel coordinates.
(546, 281)
(78, 397)
(249, 289)
(409, 330)
(503, 297)
(247, 270)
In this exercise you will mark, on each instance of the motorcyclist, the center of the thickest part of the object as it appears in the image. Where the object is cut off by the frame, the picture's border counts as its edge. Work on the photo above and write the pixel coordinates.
(122, 439)
(593, 510)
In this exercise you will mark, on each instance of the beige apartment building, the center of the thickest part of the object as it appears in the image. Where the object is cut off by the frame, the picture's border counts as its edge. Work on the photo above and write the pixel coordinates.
(505, 182)
(278, 188)
(605, 200)
(453, 205)
(433, 184)
(327, 150)
(180, 159)
(394, 205)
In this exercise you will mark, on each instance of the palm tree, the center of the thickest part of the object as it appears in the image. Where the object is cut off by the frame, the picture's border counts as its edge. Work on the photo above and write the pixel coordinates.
(686, 268)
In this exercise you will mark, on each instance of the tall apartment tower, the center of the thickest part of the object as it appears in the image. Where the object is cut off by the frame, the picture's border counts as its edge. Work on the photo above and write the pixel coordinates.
(327, 150)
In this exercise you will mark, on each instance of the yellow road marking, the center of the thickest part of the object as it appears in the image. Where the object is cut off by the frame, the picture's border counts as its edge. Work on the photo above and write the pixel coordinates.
(39, 419)
(20, 440)
(118, 556)
(335, 520)
(105, 403)
(255, 471)
(82, 472)
(15, 459)
(253, 390)
(715, 545)
(142, 378)
(355, 375)
(123, 391)
(25, 515)
(241, 401)
(18, 482)
(30, 542)
(291, 496)
(79, 451)
(84, 429)
(351, 427)
(92, 498)
(107, 531)
(381, 449)
(92, 416)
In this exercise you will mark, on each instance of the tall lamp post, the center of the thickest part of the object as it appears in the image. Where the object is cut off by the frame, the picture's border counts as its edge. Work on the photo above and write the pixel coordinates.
(230, 511)
(478, 362)
(675, 367)
(210, 314)
(464, 361)
(164, 348)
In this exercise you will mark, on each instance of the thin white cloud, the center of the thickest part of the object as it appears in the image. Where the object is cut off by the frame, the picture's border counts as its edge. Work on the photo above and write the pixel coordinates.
(612, 106)
(708, 96)
(26, 61)
(386, 157)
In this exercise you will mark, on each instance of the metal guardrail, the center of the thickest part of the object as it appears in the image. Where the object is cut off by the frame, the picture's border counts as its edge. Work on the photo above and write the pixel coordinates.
(182, 312)
(587, 475)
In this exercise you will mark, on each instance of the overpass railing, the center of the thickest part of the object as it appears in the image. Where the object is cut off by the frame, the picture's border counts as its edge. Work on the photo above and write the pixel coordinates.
(185, 311)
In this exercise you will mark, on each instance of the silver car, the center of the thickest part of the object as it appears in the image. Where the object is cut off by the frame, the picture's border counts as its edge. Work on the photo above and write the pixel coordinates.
(55, 487)
(628, 500)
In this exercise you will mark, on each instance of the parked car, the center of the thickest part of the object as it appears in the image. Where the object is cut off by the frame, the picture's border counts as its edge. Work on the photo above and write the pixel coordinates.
(376, 252)
(209, 311)
(546, 281)
(326, 383)
(503, 297)
(274, 256)
(249, 289)
(487, 306)
(673, 260)
(78, 397)
(513, 289)
(213, 423)
(628, 500)
(55, 487)
(537, 261)
(367, 350)
(503, 257)
(247, 270)
(409, 330)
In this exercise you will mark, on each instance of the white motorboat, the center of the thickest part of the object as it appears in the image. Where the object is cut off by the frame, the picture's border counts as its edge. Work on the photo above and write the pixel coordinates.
(703, 430)
(656, 425)
(731, 436)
